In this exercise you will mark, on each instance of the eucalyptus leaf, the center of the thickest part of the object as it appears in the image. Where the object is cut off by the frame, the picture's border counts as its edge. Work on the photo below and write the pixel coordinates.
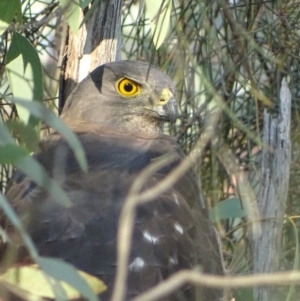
(159, 13)
(5, 136)
(63, 271)
(16, 222)
(39, 110)
(71, 9)
(229, 208)
(10, 291)
(25, 134)
(24, 72)
(85, 3)
(32, 280)
(8, 10)
(12, 153)
(29, 166)
(89, 12)
(38, 174)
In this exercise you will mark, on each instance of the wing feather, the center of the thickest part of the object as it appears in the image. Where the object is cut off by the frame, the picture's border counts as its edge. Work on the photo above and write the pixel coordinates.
(170, 233)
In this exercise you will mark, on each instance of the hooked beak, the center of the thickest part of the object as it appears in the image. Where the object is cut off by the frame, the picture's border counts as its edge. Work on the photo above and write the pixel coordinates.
(167, 107)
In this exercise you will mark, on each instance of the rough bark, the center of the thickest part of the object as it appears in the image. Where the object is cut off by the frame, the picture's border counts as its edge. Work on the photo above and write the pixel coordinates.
(97, 42)
(276, 158)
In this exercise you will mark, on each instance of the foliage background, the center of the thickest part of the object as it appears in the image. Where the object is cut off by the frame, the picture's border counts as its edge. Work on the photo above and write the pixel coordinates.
(243, 48)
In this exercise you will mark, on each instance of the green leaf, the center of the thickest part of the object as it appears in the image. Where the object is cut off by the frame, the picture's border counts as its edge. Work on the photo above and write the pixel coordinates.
(84, 3)
(15, 221)
(229, 208)
(39, 110)
(39, 175)
(32, 280)
(34, 169)
(10, 213)
(12, 153)
(8, 9)
(89, 12)
(5, 136)
(63, 271)
(159, 13)
(24, 72)
(71, 9)
(25, 134)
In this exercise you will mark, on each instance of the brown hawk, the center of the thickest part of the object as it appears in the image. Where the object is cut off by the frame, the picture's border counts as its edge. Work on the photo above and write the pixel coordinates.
(118, 112)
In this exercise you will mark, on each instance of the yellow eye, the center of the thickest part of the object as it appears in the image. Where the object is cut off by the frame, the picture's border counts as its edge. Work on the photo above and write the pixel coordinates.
(127, 87)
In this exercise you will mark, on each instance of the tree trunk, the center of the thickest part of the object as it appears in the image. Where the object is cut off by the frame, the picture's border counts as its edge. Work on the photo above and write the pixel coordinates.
(97, 42)
(276, 158)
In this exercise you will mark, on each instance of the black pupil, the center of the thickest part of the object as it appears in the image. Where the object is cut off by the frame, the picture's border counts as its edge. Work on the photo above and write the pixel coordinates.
(128, 87)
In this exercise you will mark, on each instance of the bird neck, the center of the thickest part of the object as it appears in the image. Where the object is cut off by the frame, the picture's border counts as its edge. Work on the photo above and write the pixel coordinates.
(133, 125)
(139, 124)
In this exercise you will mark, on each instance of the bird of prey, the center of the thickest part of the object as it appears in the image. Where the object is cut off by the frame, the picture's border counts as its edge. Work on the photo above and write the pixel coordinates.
(118, 112)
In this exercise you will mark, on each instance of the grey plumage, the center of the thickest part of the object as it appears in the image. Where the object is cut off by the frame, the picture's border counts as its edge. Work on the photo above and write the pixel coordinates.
(121, 136)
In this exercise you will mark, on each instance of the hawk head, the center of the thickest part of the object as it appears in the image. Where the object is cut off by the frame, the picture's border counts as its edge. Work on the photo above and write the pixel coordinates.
(129, 95)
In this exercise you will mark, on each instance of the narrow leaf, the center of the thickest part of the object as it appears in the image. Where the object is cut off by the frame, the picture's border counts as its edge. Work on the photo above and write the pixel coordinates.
(89, 12)
(12, 153)
(24, 72)
(159, 13)
(229, 208)
(25, 134)
(39, 175)
(39, 110)
(15, 221)
(8, 10)
(71, 9)
(63, 271)
(5, 136)
(33, 280)
(32, 168)
(84, 3)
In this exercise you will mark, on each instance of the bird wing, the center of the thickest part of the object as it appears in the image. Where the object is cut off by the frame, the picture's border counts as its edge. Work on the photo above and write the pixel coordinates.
(172, 232)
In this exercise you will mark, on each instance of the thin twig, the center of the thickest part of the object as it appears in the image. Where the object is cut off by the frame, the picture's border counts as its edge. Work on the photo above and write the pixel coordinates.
(127, 216)
(183, 277)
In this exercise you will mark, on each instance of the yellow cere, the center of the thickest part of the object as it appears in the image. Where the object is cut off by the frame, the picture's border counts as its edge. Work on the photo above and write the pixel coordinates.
(127, 87)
